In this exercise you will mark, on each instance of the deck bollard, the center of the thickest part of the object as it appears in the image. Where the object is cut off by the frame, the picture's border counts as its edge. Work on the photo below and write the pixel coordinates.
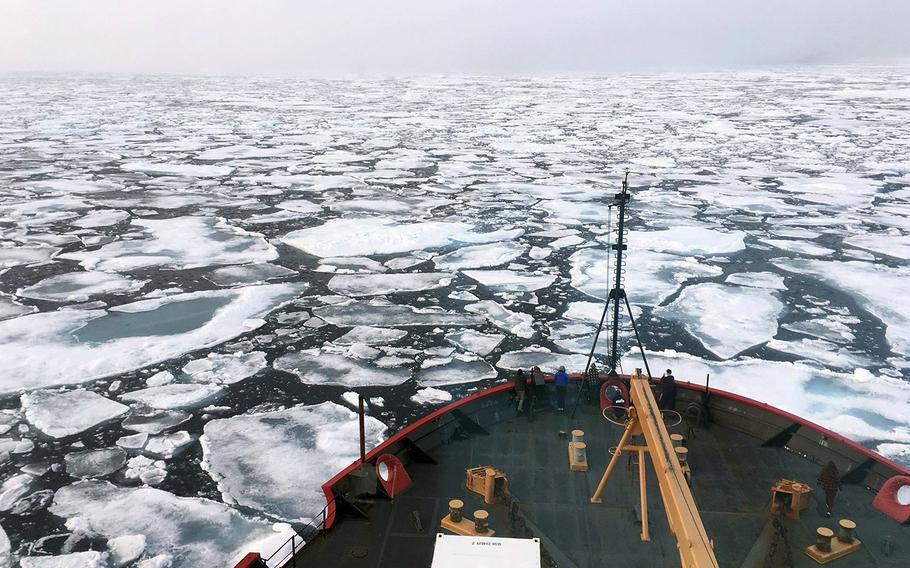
(481, 521)
(845, 530)
(678, 440)
(578, 435)
(489, 485)
(682, 454)
(823, 536)
(455, 506)
(579, 449)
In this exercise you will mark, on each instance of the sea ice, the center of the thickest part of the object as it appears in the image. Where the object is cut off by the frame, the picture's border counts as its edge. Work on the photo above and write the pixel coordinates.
(181, 243)
(318, 367)
(378, 284)
(187, 170)
(430, 395)
(152, 421)
(59, 415)
(125, 549)
(651, 276)
(101, 218)
(726, 319)
(767, 280)
(16, 256)
(247, 274)
(371, 336)
(457, 371)
(88, 559)
(474, 341)
(897, 246)
(225, 369)
(384, 314)
(176, 396)
(146, 470)
(688, 240)
(548, 361)
(65, 347)
(194, 531)
(247, 456)
(513, 322)
(798, 247)
(366, 236)
(94, 463)
(9, 308)
(14, 488)
(874, 285)
(80, 286)
(480, 256)
(509, 280)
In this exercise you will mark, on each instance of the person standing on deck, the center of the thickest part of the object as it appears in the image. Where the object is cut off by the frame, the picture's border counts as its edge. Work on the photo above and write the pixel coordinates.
(667, 391)
(561, 380)
(538, 386)
(521, 387)
(829, 480)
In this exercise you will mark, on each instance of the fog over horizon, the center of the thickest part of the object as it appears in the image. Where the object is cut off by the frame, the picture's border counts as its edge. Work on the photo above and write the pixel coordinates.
(321, 38)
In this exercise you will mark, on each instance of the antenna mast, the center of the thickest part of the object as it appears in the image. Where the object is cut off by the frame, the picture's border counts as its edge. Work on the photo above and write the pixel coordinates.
(617, 293)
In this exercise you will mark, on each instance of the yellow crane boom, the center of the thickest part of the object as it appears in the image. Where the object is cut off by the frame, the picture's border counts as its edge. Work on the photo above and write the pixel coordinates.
(695, 548)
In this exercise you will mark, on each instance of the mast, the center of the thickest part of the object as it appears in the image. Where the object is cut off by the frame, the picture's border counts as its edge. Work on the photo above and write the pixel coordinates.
(618, 293)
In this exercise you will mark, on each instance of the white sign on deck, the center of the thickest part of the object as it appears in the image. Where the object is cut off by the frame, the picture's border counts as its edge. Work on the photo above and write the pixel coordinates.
(485, 552)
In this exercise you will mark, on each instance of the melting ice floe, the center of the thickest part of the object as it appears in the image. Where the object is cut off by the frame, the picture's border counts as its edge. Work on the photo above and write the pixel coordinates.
(726, 319)
(378, 284)
(249, 456)
(542, 357)
(858, 405)
(87, 559)
(476, 342)
(758, 280)
(362, 237)
(480, 256)
(371, 336)
(74, 346)
(687, 240)
(9, 308)
(225, 369)
(430, 395)
(509, 280)
(181, 242)
(515, 323)
(653, 276)
(380, 313)
(15, 256)
(94, 463)
(192, 531)
(319, 367)
(459, 370)
(247, 274)
(59, 415)
(80, 286)
(875, 287)
(897, 246)
(189, 170)
(176, 396)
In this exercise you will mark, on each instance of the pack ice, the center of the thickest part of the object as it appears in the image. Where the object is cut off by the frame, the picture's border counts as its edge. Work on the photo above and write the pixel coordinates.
(249, 456)
(378, 284)
(181, 243)
(80, 286)
(320, 367)
(59, 415)
(190, 531)
(74, 346)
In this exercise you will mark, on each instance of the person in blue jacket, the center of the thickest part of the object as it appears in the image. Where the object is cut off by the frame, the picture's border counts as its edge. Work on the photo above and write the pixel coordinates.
(561, 380)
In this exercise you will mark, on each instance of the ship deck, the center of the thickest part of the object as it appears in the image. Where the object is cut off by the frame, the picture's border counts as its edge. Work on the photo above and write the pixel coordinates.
(732, 475)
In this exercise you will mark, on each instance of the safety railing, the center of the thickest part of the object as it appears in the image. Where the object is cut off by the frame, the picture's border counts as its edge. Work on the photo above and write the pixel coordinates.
(286, 554)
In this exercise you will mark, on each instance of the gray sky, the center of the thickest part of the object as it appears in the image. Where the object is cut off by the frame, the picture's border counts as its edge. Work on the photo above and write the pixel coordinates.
(302, 37)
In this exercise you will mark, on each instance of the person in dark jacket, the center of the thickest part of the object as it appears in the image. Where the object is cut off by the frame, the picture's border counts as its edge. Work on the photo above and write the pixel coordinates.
(667, 391)
(521, 388)
(829, 480)
(561, 381)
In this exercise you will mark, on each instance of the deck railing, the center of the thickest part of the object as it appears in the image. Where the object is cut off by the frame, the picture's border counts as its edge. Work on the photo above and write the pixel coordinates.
(286, 554)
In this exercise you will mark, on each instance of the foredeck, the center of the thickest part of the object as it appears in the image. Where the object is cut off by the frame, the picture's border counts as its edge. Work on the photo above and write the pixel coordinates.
(731, 482)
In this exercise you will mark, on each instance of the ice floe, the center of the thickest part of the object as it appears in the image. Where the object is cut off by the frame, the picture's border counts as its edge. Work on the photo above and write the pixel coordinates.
(88, 559)
(80, 286)
(248, 274)
(476, 342)
(180, 242)
(510, 280)
(456, 371)
(480, 256)
(385, 314)
(319, 367)
(873, 285)
(191, 530)
(168, 169)
(101, 218)
(247, 456)
(767, 280)
(16, 256)
(897, 246)
(515, 323)
(59, 415)
(366, 236)
(95, 463)
(225, 369)
(689, 240)
(430, 395)
(371, 336)
(74, 346)
(378, 284)
(10, 308)
(176, 396)
(726, 319)
(542, 357)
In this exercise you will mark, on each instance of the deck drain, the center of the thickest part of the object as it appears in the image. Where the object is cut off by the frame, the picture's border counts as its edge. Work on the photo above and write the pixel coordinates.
(359, 552)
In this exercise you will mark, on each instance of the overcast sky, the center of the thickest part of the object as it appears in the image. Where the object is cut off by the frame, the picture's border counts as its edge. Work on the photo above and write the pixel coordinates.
(338, 37)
